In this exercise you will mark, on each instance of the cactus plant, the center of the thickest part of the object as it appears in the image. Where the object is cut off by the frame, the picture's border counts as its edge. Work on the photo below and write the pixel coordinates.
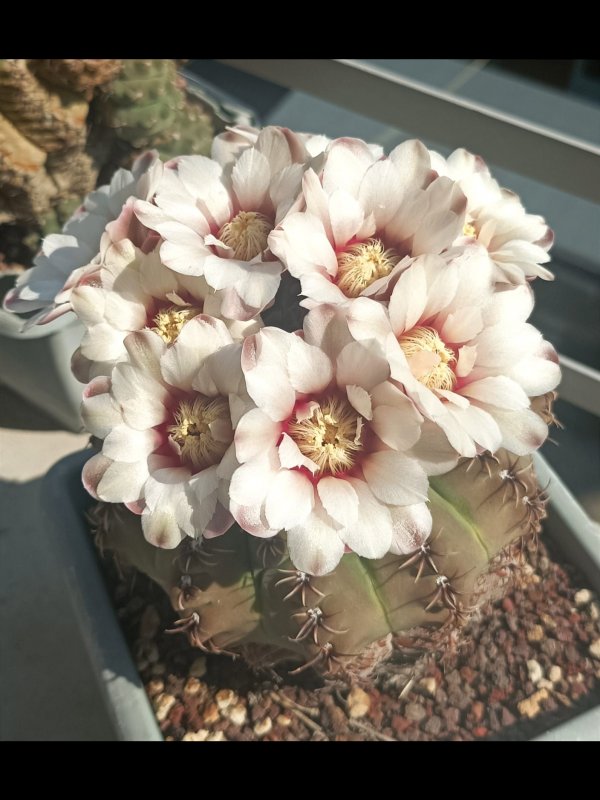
(146, 106)
(243, 595)
(414, 379)
(42, 140)
(66, 122)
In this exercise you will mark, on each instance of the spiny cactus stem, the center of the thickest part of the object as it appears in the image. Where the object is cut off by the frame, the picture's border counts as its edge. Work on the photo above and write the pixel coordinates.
(324, 656)
(485, 459)
(444, 594)
(301, 583)
(187, 592)
(313, 620)
(423, 557)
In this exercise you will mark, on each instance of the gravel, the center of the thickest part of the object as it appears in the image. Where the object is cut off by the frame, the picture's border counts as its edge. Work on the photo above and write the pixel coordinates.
(527, 663)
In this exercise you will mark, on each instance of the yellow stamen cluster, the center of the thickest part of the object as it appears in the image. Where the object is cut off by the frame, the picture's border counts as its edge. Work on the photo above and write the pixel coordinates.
(246, 234)
(331, 437)
(424, 339)
(202, 430)
(362, 264)
(169, 322)
(469, 230)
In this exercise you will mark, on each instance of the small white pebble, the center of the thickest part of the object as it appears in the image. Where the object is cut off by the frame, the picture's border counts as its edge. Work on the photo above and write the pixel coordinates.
(193, 687)
(263, 727)
(217, 736)
(535, 671)
(545, 684)
(594, 611)
(583, 597)
(359, 702)
(428, 686)
(162, 705)
(284, 720)
(155, 687)
(595, 648)
(555, 673)
(199, 736)
(238, 714)
(226, 698)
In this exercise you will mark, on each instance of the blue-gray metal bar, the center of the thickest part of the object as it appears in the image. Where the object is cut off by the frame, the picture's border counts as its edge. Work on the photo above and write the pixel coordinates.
(555, 159)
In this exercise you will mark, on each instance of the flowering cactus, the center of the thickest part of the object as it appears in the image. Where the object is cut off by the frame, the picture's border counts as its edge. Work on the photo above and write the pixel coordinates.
(309, 495)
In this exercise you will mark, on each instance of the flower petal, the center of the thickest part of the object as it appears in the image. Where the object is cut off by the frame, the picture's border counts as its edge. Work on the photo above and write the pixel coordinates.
(315, 546)
(395, 478)
(291, 456)
(398, 426)
(255, 433)
(250, 483)
(339, 499)
(127, 445)
(289, 500)
(264, 362)
(123, 483)
(362, 364)
(309, 368)
(360, 401)
(411, 527)
(497, 391)
(371, 535)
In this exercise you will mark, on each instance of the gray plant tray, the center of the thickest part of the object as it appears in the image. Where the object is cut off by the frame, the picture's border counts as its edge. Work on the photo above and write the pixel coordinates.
(64, 502)
(36, 365)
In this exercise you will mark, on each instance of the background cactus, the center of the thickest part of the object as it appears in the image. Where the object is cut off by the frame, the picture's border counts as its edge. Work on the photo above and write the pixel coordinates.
(44, 169)
(66, 124)
(241, 594)
(147, 106)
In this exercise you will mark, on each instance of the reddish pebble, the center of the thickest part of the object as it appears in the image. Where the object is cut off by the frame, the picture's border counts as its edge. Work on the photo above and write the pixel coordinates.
(508, 605)
(176, 715)
(497, 695)
(478, 710)
(480, 732)
(400, 724)
(467, 674)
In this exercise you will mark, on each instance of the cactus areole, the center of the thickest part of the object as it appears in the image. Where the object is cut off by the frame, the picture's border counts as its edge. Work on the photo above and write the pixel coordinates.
(313, 386)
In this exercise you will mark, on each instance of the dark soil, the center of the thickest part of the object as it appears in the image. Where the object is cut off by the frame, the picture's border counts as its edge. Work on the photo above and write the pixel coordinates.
(527, 663)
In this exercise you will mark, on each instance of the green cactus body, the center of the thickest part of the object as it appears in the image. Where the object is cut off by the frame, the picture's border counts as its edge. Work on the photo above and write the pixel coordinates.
(238, 593)
(146, 107)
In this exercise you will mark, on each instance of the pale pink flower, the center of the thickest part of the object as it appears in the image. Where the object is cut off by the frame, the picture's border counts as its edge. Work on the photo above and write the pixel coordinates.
(517, 242)
(167, 416)
(323, 453)
(304, 147)
(365, 218)
(215, 220)
(131, 291)
(464, 352)
(70, 256)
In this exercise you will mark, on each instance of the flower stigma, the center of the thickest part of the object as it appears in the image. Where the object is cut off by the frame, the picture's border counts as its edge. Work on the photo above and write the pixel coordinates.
(436, 375)
(332, 436)
(246, 234)
(362, 264)
(169, 321)
(202, 430)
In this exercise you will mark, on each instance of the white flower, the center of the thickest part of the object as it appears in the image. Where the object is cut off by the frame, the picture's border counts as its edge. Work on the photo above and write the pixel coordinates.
(216, 221)
(517, 242)
(228, 146)
(364, 221)
(167, 416)
(70, 256)
(323, 453)
(464, 352)
(132, 291)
